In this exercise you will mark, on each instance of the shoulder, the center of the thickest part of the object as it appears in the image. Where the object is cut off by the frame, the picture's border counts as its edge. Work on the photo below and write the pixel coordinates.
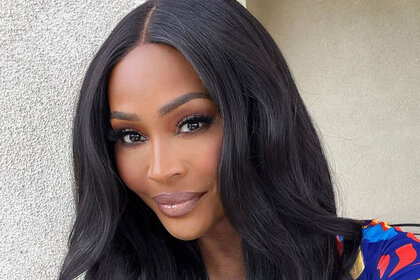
(387, 252)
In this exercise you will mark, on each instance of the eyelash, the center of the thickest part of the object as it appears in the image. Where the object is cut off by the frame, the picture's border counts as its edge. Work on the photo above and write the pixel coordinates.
(114, 136)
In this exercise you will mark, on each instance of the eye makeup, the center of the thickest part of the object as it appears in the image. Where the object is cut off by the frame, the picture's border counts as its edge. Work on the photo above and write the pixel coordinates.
(122, 134)
(195, 118)
(128, 134)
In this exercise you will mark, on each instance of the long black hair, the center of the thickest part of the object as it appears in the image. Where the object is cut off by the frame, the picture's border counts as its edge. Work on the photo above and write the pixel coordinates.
(274, 180)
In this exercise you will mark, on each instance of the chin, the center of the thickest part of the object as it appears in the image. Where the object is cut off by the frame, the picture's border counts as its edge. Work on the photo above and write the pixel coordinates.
(184, 230)
(185, 236)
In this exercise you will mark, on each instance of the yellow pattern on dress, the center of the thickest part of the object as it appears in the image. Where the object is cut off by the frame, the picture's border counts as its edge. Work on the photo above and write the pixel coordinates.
(358, 266)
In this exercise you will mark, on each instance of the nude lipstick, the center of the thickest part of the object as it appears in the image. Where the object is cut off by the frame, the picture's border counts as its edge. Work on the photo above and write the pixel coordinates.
(176, 204)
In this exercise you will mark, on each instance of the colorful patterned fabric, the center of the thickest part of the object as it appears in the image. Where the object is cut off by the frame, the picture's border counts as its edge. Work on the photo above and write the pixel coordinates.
(385, 253)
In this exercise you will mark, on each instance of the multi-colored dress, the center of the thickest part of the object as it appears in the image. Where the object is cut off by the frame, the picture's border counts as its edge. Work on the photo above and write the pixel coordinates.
(385, 252)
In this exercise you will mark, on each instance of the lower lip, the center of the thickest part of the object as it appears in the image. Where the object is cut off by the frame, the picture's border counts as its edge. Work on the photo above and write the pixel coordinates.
(181, 209)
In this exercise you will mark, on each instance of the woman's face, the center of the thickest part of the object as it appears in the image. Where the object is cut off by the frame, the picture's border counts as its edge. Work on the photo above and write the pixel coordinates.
(169, 138)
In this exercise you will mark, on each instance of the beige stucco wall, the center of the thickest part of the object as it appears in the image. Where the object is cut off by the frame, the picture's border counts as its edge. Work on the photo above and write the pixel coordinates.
(45, 48)
(357, 65)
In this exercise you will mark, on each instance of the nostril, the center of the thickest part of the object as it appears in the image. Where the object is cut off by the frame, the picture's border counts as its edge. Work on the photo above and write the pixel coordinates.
(163, 176)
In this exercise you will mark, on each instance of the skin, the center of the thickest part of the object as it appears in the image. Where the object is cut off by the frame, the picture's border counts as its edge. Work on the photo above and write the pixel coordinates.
(161, 157)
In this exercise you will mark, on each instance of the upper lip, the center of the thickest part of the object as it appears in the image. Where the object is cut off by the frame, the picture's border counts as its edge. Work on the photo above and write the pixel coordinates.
(175, 197)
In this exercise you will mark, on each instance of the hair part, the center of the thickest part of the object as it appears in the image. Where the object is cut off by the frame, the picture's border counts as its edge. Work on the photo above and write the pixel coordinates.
(274, 180)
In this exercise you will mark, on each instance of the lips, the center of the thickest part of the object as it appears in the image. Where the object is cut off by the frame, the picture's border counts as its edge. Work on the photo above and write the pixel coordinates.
(177, 204)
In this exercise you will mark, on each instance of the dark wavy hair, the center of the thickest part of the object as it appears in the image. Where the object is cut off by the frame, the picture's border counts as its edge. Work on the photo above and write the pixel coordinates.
(274, 180)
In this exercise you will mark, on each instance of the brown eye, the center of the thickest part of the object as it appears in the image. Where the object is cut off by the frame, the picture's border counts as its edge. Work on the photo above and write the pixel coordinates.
(130, 137)
(190, 126)
(193, 123)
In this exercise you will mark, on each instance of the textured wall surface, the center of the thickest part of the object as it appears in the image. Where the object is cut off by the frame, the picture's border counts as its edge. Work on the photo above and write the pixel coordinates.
(45, 48)
(357, 65)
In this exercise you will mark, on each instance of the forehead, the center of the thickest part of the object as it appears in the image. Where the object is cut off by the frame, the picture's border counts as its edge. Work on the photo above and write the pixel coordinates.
(153, 72)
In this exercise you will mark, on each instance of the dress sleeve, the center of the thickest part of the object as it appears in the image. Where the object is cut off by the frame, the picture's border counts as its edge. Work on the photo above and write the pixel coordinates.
(389, 253)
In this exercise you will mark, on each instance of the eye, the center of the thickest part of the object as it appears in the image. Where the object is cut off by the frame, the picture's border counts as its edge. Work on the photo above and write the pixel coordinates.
(127, 136)
(131, 137)
(189, 124)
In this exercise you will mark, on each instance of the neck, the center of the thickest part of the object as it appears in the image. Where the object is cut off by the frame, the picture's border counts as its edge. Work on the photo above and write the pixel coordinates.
(221, 250)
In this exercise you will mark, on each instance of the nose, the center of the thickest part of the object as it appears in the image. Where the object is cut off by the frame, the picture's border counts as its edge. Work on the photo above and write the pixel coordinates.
(164, 163)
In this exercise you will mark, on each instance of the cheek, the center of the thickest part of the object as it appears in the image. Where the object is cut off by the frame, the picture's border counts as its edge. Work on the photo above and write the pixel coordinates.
(204, 158)
(130, 168)
(204, 153)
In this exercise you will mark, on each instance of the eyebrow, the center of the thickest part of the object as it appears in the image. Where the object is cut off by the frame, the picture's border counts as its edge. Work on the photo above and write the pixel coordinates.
(165, 109)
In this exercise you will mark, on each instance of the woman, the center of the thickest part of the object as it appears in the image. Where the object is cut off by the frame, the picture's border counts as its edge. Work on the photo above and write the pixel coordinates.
(195, 158)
